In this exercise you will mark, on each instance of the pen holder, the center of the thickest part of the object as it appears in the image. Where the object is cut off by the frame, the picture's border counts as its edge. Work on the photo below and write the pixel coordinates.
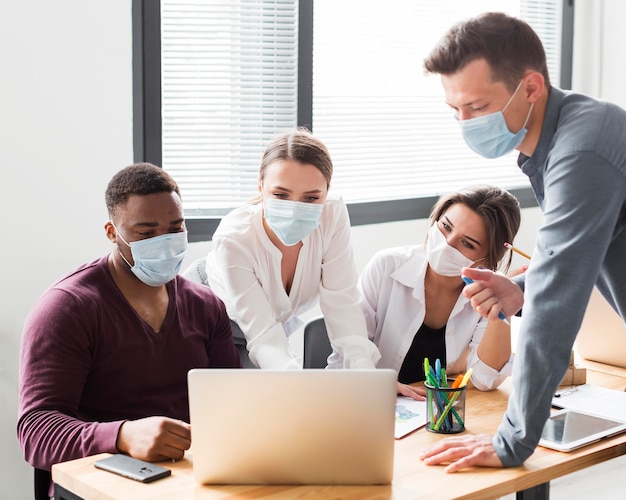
(445, 409)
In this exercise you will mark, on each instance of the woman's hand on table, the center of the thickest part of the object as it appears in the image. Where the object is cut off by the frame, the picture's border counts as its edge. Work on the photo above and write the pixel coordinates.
(417, 393)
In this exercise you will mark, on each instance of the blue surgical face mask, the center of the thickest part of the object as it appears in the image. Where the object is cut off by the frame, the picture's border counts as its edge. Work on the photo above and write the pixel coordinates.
(158, 259)
(489, 136)
(292, 221)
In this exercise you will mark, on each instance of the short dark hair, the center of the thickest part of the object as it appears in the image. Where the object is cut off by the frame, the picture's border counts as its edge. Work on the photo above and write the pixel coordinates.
(500, 212)
(139, 178)
(508, 44)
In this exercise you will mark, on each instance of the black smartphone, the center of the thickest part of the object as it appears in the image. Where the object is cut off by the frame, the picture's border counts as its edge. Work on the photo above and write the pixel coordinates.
(132, 468)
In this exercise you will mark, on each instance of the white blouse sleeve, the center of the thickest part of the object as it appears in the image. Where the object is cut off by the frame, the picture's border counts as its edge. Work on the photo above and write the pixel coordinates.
(484, 377)
(248, 305)
(340, 298)
(370, 283)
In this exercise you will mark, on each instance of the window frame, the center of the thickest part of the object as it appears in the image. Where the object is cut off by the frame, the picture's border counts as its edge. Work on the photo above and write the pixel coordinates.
(147, 119)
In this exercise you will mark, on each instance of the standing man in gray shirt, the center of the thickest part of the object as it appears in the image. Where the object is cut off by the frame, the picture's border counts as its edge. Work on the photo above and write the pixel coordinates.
(573, 149)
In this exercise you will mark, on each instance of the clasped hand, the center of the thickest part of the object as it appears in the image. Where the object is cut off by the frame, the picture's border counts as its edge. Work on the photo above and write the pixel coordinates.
(154, 439)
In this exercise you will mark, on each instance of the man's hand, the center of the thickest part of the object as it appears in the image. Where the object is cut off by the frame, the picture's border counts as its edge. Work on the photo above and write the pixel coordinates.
(463, 451)
(491, 293)
(154, 439)
(417, 393)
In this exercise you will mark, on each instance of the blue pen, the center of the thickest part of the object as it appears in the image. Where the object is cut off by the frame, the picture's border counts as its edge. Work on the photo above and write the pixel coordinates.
(469, 281)
(438, 370)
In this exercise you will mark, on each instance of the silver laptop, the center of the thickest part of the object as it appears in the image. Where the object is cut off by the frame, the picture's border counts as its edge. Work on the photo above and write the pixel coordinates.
(602, 334)
(253, 426)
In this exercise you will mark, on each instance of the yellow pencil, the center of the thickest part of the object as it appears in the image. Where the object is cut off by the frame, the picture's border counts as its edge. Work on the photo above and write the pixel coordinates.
(516, 250)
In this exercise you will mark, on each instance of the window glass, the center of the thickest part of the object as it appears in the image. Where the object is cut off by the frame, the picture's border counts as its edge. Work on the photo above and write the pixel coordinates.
(229, 84)
(385, 123)
(230, 78)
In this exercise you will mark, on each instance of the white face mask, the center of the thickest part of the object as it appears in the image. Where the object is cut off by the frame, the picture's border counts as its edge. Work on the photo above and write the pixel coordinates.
(292, 221)
(157, 259)
(489, 135)
(443, 258)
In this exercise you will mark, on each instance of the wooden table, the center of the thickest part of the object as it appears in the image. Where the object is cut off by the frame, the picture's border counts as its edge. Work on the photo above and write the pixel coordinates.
(412, 479)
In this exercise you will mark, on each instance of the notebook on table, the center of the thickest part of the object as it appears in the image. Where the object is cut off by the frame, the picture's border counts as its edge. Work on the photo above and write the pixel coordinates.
(253, 426)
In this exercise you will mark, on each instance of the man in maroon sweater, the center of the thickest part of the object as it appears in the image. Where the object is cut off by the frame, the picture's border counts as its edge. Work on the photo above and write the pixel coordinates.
(106, 350)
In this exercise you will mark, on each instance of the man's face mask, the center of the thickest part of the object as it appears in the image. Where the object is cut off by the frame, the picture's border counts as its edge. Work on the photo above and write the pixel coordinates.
(158, 259)
(489, 135)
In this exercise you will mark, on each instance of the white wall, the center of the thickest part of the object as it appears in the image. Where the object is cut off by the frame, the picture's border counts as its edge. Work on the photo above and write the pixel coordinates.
(66, 128)
(598, 67)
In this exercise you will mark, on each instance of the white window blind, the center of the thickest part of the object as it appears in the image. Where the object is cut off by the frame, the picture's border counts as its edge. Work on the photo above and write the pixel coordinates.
(229, 84)
(385, 123)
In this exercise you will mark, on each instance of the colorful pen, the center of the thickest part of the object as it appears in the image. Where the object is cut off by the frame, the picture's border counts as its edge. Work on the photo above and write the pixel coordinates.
(469, 281)
(516, 250)
(466, 377)
(454, 397)
(440, 399)
(457, 381)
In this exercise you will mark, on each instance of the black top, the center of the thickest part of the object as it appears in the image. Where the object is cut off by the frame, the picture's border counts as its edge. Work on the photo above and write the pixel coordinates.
(428, 343)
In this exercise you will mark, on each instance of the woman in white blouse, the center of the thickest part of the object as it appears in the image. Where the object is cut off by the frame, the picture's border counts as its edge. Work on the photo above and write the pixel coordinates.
(288, 251)
(413, 303)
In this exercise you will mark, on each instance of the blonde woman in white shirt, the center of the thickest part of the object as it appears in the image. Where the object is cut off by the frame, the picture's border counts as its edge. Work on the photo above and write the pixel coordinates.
(281, 255)
(413, 303)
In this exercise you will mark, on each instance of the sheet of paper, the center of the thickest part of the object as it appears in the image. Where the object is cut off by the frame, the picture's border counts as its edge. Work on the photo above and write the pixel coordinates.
(410, 415)
(592, 399)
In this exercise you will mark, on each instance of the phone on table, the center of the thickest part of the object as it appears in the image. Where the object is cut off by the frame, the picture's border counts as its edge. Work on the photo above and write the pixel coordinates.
(132, 468)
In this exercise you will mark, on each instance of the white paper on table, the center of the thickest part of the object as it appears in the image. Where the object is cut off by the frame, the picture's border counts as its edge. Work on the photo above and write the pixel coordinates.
(592, 399)
(410, 415)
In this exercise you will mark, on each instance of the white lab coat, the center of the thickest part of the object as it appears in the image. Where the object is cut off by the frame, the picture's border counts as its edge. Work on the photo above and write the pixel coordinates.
(392, 285)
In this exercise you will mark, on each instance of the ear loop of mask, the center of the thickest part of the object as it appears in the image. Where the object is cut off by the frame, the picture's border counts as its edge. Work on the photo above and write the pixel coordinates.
(532, 104)
(117, 233)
